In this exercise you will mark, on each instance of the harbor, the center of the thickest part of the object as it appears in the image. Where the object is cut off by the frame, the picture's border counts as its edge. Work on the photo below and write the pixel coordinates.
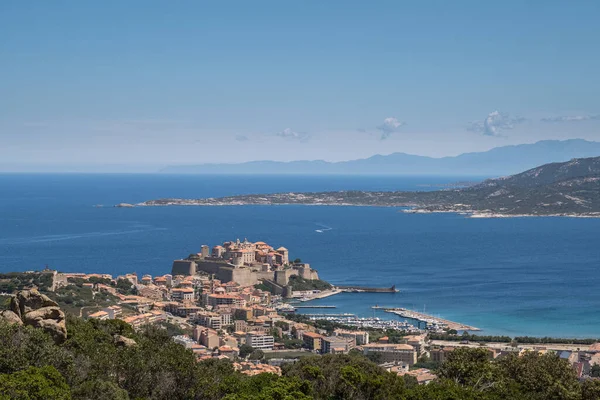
(365, 323)
(350, 316)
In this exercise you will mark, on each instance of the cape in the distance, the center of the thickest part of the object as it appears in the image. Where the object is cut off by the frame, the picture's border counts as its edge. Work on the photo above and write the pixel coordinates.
(556, 189)
(503, 160)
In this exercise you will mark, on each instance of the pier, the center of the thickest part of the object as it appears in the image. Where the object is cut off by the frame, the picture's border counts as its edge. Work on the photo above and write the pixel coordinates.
(430, 319)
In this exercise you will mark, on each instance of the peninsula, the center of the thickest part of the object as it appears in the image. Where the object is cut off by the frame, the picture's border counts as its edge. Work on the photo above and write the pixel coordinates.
(559, 189)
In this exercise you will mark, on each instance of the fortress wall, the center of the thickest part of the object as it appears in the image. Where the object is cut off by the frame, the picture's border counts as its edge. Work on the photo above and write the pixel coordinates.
(270, 275)
(183, 267)
(210, 267)
(244, 276)
(283, 277)
(274, 288)
(304, 272)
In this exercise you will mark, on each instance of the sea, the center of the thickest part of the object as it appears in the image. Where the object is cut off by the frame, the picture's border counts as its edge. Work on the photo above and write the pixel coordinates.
(507, 276)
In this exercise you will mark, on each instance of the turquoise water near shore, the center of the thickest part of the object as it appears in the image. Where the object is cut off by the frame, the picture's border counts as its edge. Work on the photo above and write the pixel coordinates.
(514, 276)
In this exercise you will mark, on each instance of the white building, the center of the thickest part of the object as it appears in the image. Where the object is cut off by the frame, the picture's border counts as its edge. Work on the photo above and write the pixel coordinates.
(113, 312)
(259, 340)
(182, 294)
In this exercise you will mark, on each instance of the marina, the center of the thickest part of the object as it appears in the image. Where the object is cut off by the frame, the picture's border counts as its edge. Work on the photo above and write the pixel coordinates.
(365, 323)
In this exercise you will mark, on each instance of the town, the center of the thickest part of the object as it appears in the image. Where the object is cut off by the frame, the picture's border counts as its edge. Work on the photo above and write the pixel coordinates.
(236, 301)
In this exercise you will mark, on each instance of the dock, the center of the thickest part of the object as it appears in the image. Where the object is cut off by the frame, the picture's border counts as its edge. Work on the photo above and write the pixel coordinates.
(430, 319)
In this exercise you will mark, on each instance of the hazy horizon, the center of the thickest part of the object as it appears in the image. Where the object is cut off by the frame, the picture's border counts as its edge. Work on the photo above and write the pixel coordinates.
(155, 84)
(155, 168)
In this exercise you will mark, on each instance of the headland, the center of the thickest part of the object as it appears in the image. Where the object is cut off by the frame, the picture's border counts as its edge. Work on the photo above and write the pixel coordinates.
(560, 189)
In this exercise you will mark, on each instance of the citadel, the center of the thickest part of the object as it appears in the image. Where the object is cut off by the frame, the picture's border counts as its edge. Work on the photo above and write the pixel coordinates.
(245, 263)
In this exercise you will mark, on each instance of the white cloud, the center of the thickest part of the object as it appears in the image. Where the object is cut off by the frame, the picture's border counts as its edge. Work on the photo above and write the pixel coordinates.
(241, 138)
(494, 123)
(389, 126)
(571, 118)
(290, 134)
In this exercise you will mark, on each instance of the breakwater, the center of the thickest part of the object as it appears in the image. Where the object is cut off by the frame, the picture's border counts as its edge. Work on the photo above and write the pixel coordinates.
(366, 289)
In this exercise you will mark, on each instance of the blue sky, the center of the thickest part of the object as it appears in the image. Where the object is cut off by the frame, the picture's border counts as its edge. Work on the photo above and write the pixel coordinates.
(161, 82)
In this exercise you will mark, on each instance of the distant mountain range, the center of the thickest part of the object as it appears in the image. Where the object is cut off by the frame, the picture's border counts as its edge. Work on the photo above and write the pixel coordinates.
(563, 189)
(495, 162)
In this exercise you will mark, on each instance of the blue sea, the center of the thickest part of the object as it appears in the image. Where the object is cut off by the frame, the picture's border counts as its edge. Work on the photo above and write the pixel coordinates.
(513, 276)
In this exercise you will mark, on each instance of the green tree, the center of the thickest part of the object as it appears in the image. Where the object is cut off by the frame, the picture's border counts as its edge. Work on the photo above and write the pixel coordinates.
(538, 376)
(125, 287)
(215, 379)
(99, 390)
(269, 387)
(24, 346)
(245, 350)
(283, 325)
(257, 355)
(590, 390)
(275, 333)
(346, 377)
(34, 383)
(445, 390)
(468, 367)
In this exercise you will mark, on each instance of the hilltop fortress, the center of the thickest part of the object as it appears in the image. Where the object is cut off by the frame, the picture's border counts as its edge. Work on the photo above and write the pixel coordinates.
(246, 263)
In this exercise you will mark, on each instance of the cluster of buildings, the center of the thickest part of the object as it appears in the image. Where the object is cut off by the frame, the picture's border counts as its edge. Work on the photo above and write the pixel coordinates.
(582, 360)
(246, 263)
(222, 316)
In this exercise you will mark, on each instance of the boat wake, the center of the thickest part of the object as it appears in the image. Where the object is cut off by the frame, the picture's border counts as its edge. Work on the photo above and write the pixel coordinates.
(324, 228)
(67, 236)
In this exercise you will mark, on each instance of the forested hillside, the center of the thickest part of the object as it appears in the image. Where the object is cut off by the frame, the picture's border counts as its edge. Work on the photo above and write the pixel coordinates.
(109, 360)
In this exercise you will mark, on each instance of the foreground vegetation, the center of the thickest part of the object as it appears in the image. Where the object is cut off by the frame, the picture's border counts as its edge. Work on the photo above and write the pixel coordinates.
(94, 364)
(453, 336)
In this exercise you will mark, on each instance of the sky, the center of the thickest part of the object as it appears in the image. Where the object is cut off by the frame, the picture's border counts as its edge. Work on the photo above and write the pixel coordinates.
(139, 84)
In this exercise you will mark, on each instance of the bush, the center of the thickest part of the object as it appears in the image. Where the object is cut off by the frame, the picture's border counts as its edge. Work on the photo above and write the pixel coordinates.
(34, 384)
(300, 284)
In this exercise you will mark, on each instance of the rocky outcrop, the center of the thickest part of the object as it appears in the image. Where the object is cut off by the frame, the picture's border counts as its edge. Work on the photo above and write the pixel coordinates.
(10, 318)
(123, 341)
(28, 300)
(32, 308)
(51, 319)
